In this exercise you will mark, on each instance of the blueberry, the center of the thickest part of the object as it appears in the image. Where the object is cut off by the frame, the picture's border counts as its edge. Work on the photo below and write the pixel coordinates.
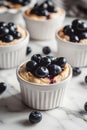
(36, 57)
(11, 28)
(85, 106)
(43, 5)
(46, 50)
(82, 27)
(74, 38)
(52, 59)
(8, 38)
(68, 30)
(31, 66)
(43, 12)
(85, 79)
(75, 23)
(3, 87)
(61, 61)
(54, 70)
(28, 50)
(83, 35)
(3, 30)
(3, 24)
(76, 71)
(11, 24)
(16, 35)
(35, 117)
(45, 61)
(41, 72)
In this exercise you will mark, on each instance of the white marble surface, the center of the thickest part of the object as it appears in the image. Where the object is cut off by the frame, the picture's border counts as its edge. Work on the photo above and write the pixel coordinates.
(71, 116)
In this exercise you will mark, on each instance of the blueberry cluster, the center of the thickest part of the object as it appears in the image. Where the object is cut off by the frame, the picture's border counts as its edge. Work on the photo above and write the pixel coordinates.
(44, 9)
(21, 2)
(76, 31)
(46, 66)
(8, 32)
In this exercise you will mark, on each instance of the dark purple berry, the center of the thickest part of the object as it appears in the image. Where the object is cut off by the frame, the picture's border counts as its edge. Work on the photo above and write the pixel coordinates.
(8, 38)
(85, 79)
(85, 106)
(61, 61)
(3, 87)
(28, 50)
(74, 38)
(45, 61)
(46, 50)
(76, 71)
(36, 57)
(31, 66)
(35, 117)
(68, 30)
(41, 72)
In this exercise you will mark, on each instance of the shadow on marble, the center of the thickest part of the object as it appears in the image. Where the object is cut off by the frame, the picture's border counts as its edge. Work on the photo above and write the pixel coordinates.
(13, 103)
(25, 123)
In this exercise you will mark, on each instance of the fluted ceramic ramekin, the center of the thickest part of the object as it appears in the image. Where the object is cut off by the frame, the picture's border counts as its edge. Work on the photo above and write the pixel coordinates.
(76, 53)
(43, 97)
(15, 15)
(14, 54)
(43, 29)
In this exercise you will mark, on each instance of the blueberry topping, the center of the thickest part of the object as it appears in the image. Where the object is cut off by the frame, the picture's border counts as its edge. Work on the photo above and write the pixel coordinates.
(47, 66)
(52, 59)
(16, 35)
(3, 24)
(3, 87)
(44, 9)
(21, 2)
(76, 71)
(3, 30)
(45, 61)
(31, 66)
(85, 79)
(61, 61)
(68, 30)
(74, 38)
(8, 32)
(46, 50)
(75, 23)
(54, 70)
(83, 35)
(85, 106)
(36, 57)
(35, 117)
(82, 27)
(41, 72)
(28, 50)
(8, 38)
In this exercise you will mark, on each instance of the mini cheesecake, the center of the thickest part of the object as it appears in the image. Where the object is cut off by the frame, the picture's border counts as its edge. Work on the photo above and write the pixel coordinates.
(76, 32)
(11, 33)
(44, 11)
(13, 4)
(45, 70)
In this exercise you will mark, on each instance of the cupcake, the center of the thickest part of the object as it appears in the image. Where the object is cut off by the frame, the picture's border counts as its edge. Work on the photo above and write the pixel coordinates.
(11, 10)
(43, 81)
(43, 19)
(13, 43)
(72, 43)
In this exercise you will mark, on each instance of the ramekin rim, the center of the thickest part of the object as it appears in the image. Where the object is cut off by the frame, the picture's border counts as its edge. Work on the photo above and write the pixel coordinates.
(68, 42)
(11, 45)
(39, 85)
(47, 20)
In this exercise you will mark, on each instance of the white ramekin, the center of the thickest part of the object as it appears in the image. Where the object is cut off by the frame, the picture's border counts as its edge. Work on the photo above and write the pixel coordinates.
(43, 97)
(15, 15)
(43, 29)
(13, 55)
(75, 53)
